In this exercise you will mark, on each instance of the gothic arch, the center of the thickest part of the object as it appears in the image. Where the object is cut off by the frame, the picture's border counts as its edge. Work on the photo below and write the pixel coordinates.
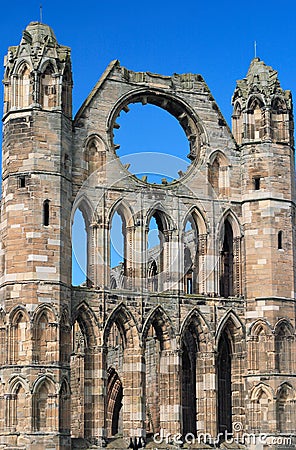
(202, 327)
(196, 358)
(45, 335)
(258, 325)
(284, 340)
(126, 325)
(124, 210)
(255, 126)
(260, 345)
(65, 336)
(44, 404)
(165, 220)
(65, 406)
(161, 379)
(18, 403)
(285, 410)
(86, 318)
(94, 149)
(163, 325)
(234, 222)
(230, 348)
(230, 264)
(257, 391)
(199, 218)
(237, 122)
(85, 206)
(19, 340)
(236, 330)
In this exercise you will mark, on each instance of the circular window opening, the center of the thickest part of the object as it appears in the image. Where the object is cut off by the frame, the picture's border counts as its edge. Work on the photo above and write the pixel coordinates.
(151, 143)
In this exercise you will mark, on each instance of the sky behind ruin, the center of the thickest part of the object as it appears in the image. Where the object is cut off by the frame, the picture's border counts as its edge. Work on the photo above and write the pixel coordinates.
(215, 39)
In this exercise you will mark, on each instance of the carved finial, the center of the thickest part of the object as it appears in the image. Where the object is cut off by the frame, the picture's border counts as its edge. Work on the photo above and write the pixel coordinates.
(40, 12)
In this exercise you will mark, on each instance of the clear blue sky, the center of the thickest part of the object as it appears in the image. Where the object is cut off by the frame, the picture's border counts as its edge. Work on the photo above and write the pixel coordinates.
(215, 39)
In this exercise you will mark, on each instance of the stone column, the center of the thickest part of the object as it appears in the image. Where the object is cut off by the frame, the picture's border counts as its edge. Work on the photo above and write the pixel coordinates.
(133, 393)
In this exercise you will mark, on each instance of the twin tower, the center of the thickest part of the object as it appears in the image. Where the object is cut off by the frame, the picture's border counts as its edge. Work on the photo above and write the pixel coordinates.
(195, 336)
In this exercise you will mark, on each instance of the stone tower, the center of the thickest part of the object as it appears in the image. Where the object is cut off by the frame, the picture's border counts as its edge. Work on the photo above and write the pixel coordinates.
(35, 227)
(263, 128)
(193, 339)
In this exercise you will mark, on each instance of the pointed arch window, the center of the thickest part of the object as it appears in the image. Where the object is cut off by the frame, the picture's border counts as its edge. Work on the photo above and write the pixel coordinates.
(237, 123)
(191, 256)
(283, 348)
(118, 244)
(189, 366)
(224, 384)
(255, 120)
(67, 92)
(218, 174)
(227, 266)
(155, 250)
(286, 413)
(48, 88)
(279, 117)
(24, 91)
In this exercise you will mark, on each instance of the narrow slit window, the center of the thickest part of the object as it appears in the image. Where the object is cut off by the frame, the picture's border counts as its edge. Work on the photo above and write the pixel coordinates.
(280, 240)
(46, 213)
(22, 182)
(257, 183)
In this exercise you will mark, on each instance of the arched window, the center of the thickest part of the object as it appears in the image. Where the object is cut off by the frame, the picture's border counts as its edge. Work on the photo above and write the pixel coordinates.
(44, 412)
(218, 174)
(65, 408)
(155, 252)
(24, 95)
(237, 123)
(118, 251)
(48, 88)
(261, 408)
(286, 413)
(278, 120)
(114, 402)
(224, 367)
(79, 249)
(255, 120)
(20, 339)
(46, 213)
(226, 271)
(191, 257)
(67, 92)
(21, 408)
(42, 341)
(283, 348)
(189, 356)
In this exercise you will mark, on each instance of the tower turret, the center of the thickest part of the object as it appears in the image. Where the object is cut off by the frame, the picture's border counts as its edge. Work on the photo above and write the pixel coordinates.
(35, 217)
(263, 128)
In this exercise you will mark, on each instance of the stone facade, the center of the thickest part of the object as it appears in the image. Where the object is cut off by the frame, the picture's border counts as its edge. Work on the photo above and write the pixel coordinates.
(199, 335)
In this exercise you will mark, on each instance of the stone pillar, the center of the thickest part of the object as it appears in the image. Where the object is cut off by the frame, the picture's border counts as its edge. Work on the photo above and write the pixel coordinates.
(170, 392)
(100, 395)
(133, 393)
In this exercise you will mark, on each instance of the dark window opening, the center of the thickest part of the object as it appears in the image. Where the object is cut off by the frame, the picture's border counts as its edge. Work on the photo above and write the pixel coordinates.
(280, 240)
(22, 182)
(224, 386)
(227, 273)
(257, 183)
(46, 213)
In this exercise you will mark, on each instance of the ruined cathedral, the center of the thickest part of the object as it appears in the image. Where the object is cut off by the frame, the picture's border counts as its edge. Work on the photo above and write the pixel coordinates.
(193, 336)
